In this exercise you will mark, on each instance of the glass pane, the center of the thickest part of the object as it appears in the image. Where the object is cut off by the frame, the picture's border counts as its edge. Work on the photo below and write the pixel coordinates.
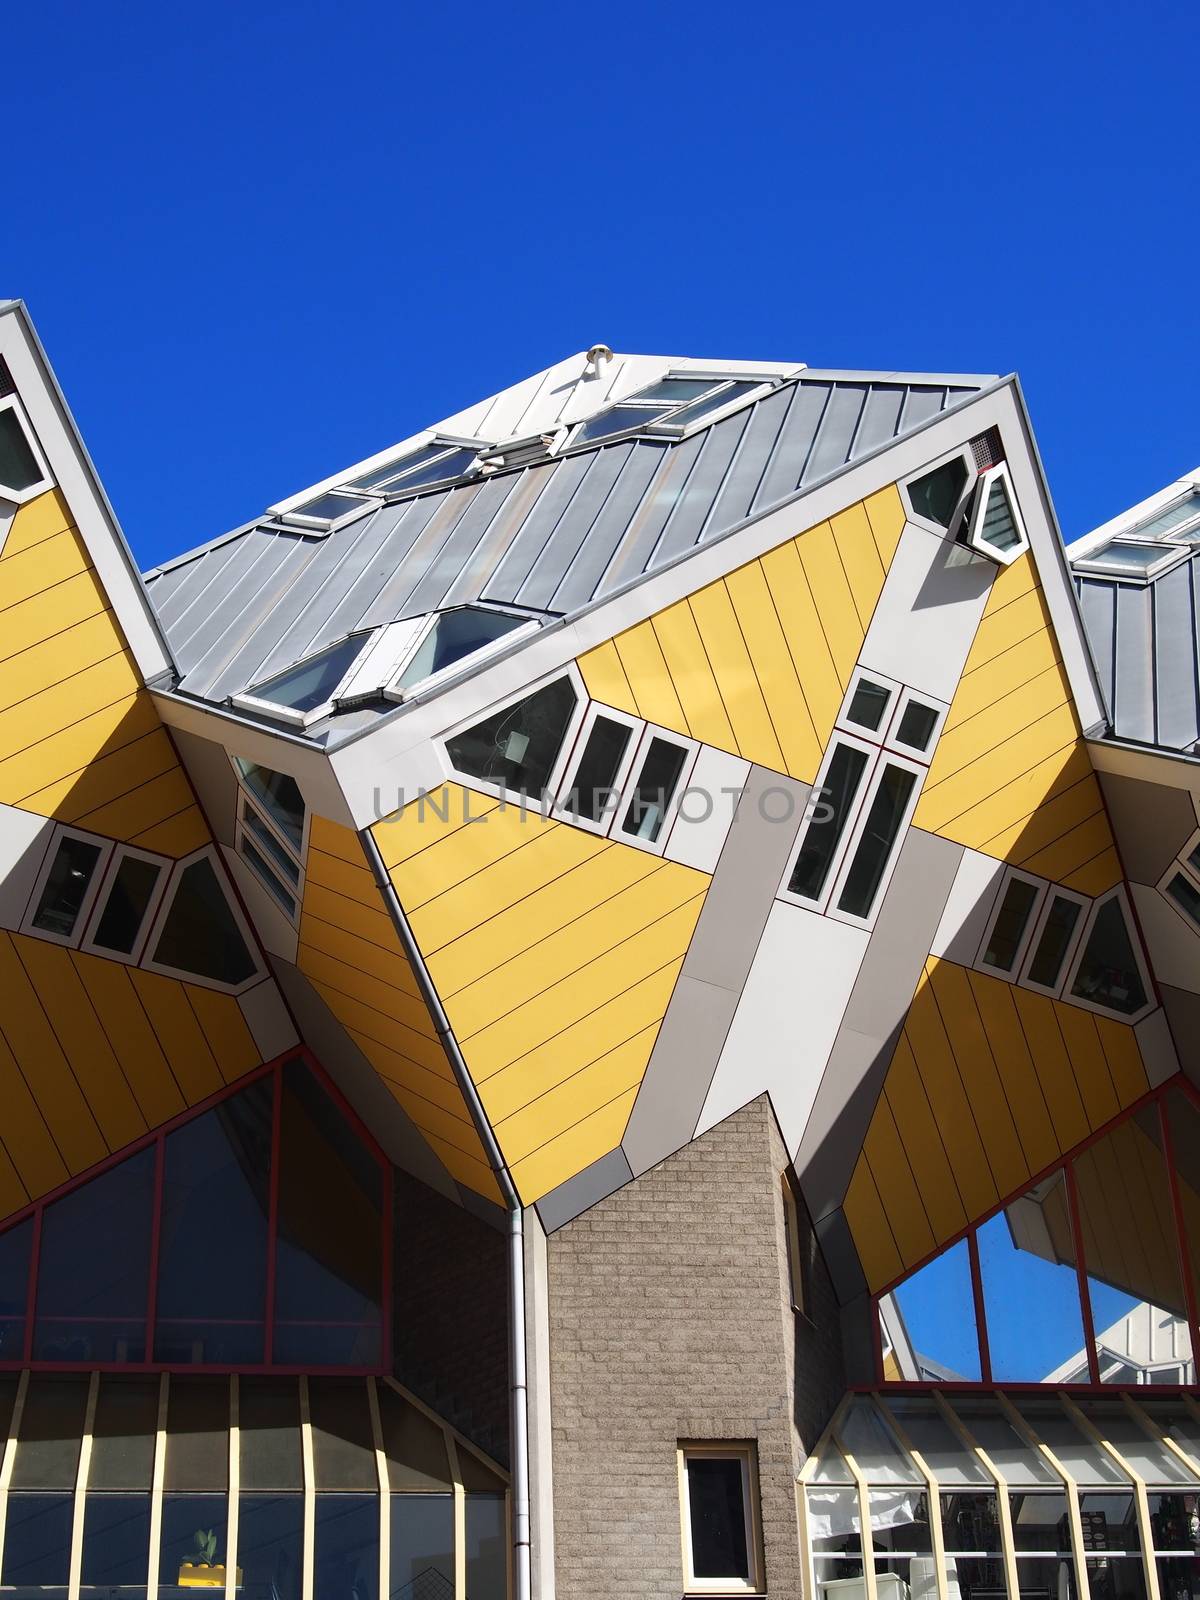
(452, 637)
(197, 1450)
(422, 1548)
(1008, 929)
(270, 1546)
(1182, 511)
(928, 1431)
(1136, 558)
(713, 402)
(917, 725)
(617, 420)
(125, 908)
(329, 506)
(414, 1445)
(1186, 896)
(392, 469)
(123, 1433)
(831, 1464)
(192, 1547)
(343, 1442)
(593, 792)
(938, 1307)
(835, 1528)
(1146, 1454)
(1054, 941)
(1108, 974)
(868, 704)
(280, 797)
(878, 838)
(998, 527)
(347, 1547)
(94, 1267)
(450, 464)
(1110, 1523)
(517, 748)
(1183, 1119)
(936, 495)
(487, 1547)
(1139, 1312)
(1020, 1464)
(37, 1543)
(903, 1541)
(116, 1540)
(1026, 1259)
(51, 1430)
(312, 683)
(18, 464)
(15, 1245)
(654, 790)
(880, 1456)
(1040, 1522)
(212, 1260)
(200, 933)
(329, 1253)
(677, 390)
(1086, 1461)
(269, 1433)
(67, 884)
(835, 802)
(717, 1517)
(278, 856)
(267, 875)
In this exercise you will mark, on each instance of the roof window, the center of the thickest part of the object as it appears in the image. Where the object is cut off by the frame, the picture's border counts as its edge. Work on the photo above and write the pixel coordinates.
(304, 693)
(671, 404)
(22, 471)
(1131, 558)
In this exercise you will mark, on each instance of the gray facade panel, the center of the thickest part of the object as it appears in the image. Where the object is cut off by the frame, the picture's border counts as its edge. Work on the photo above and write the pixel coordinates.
(1183, 1014)
(1151, 821)
(584, 1190)
(1175, 663)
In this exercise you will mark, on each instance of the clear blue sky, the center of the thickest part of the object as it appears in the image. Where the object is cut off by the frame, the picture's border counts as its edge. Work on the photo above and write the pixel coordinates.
(261, 241)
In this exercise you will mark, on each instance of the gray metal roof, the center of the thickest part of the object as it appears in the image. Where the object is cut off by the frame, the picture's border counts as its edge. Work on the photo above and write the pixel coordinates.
(553, 536)
(1145, 641)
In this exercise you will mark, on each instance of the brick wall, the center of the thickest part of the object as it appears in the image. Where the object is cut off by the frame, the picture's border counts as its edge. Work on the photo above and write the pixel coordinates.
(450, 1313)
(670, 1318)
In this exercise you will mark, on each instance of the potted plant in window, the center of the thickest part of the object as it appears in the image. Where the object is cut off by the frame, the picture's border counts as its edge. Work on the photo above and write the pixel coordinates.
(202, 1570)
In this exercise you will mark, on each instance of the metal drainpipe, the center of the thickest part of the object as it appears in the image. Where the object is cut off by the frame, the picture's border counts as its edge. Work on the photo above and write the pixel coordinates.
(518, 1374)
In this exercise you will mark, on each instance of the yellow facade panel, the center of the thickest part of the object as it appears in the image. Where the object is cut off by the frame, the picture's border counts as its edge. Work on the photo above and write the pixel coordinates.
(27, 1140)
(356, 1015)
(55, 764)
(40, 616)
(867, 1219)
(175, 836)
(363, 924)
(373, 960)
(1088, 1062)
(831, 594)
(433, 872)
(34, 571)
(886, 515)
(860, 558)
(1010, 713)
(1001, 785)
(776, 671)
(1058, 814)
(1018, 1075)
(692, 676)
(1125, 1064)
(58, 657)
(342, 878)
(576, 1147)
(145, 805)
(423, 823)
(733, 669)
(106, 778)
(918, 1133)
(1047, 1048)
(429, 1088)
(646, 672)
(605, 680)
(62, 706)
(797, 612)
(183, 1041)
(1095, 876)
(895, 1184)
(35, 521)
(980, 685)
(224, 1027)
(349, 979)
(110, 989)
(1089, 838)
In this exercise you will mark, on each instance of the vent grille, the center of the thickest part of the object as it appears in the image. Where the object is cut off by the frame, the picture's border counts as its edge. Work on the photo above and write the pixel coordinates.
(7, 386)
(987, 450)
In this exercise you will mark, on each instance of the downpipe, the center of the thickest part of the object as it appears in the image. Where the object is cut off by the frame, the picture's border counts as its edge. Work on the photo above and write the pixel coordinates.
(518, 1363)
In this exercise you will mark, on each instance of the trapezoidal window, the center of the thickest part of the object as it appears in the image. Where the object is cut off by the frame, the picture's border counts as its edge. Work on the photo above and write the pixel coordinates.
(936, 495)
(518, 748)
(1108, 973)
(253, 1234)
(307, 690)
(199, 935)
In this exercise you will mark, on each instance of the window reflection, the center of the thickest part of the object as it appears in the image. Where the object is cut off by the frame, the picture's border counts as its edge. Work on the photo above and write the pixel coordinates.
(347, 1547)
(1026, 1259)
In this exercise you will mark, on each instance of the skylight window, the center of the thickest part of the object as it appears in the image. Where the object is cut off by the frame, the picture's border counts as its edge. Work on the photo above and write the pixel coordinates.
(305, 692)
(1131, 558)
(670, 403)
(452, 636)
(433, 463)
(1173, 519)
(328, 511)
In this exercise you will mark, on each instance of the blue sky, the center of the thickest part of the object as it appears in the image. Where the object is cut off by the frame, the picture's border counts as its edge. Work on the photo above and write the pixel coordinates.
(262, 241)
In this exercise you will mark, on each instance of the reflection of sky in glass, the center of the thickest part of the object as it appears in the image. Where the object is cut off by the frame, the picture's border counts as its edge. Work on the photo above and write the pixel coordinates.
(1032, 1307)
(939, 1312)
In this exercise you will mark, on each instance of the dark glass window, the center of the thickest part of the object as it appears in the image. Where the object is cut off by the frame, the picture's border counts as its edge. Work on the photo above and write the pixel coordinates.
(878, 840)
(452, 637)
(422, 1548)
(391, 469)
(281, 858)
(1027, 1259)
(94, 1268)
(835, 803)
(654, 790)
(1108, 974)
(126, 904)
(269, 1434)
(868, 704)
(194, 1529)
(116, 1541)
(280, 797)
(67, 884)
(517, 748)
(487, 1547)
(213, 1234)
(49, 1435)
(916, 725)
(998, 527)
(197, 1435)
(15, 1245)
(346, 1558)
(1046, 966)
(328, 1265)
(267, 875)
(311, 683)
(123, 1433)
(1008, 929)
(18, 464)
(37, 1543)
(200, 933)
(592, 793)
(270, 1545)
(1185, 895)
(717, 1517)
(343, 1442)
(415, 1447)
(936, 495)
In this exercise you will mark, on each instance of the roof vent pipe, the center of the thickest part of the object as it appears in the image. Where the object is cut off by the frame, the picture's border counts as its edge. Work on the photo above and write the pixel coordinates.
(598, 358)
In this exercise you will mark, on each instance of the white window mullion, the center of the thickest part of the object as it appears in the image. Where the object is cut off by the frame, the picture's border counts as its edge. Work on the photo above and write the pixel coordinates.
(385, 1490)
(10, 1455)
(235, 1478)
(460, 1517)
(310, 1495)
(156, 1487)
(79, 1506)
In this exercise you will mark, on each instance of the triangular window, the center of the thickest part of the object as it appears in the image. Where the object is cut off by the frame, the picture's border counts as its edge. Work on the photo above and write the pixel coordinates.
(200, 935)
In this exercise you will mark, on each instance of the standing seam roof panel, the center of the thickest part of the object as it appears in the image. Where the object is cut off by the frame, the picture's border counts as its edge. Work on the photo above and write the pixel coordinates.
(254, 588)
(430, 592)
(472, 581)
(633, 553)
(704, 483)
(1173, 602)
(569, 536)
(530, 540)
(616, 515)
(786, 470)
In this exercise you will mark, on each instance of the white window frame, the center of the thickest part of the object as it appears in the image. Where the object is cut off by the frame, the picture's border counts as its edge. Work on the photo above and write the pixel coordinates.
(1182, 867)
(916, 696)
(966, 455)
(120, 853)
(1034, 920)
(394, 488)
(70, 940)
(1169, 555)
(464, 664)
(745, 1454)
(636, 726)
(239, 917)
(245, 701)
(1054, 891)
(243, 788)
(974, 541)
(1135, 944)
(17, 496)
(451, 774)
(691, 748)
(669, 430)
(662, 428)
(875, 736)
(1187, 530)
(304, 522)
(295, 892)
(872, 752)
(887, 755)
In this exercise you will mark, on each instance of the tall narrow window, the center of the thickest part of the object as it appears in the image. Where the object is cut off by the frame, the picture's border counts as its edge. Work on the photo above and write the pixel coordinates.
(1108, 974)
(19, 466)
(655, 789)
(1046, 964)
(68, 884)
(995, 529)
(884, 820)
(126, 904)
(279, 795)
(719, 1519)
(836, 803)
(1009, 927)
(1186, 896)
(593, 789)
